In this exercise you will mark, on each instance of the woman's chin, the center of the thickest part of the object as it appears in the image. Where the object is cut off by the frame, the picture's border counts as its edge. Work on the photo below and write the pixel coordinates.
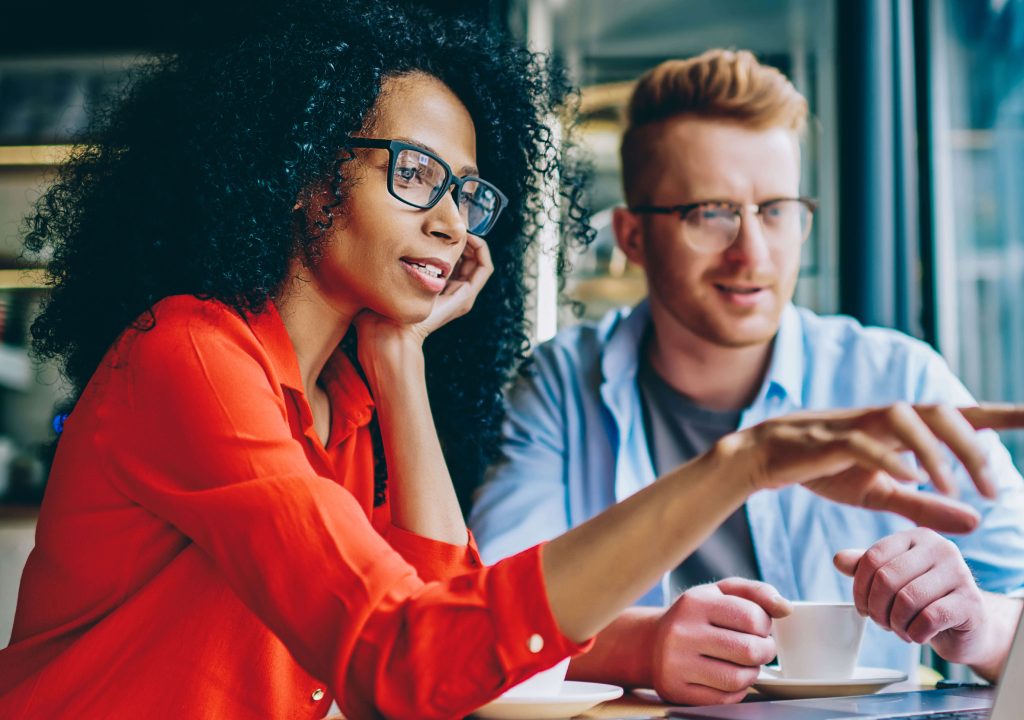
(411, 313)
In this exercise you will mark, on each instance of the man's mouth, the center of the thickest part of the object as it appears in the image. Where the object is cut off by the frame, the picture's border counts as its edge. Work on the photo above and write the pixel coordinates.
(740, 289)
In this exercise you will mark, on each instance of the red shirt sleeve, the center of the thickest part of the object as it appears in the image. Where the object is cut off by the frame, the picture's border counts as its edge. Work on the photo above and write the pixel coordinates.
(434, 559)
(205, 445)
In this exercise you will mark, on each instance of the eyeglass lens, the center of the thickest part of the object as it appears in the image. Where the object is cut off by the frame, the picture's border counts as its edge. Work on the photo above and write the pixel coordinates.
(420, 179)
(417, 177)
(718, 224)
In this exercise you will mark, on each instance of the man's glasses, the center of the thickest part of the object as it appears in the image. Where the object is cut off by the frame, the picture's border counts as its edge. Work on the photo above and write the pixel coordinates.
(420, 178)
(713, 225)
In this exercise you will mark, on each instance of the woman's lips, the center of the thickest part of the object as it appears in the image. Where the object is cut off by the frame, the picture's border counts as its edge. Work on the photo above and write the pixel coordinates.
(430, 273)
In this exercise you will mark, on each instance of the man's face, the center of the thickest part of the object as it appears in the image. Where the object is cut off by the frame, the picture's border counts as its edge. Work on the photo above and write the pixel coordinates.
(733, 297)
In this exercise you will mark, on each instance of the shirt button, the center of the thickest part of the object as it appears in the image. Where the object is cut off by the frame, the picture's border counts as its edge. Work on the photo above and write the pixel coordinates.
(318, 695)
(535, 644)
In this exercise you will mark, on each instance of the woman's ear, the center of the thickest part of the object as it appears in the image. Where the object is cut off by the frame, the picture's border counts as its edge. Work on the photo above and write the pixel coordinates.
(303, 200)
(629, 234)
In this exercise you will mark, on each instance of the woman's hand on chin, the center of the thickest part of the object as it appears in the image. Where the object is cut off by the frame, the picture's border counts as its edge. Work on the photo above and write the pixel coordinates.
(382, 339)
(464, 285)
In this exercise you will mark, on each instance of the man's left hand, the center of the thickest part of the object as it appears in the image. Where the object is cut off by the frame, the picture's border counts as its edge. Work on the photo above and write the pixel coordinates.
(916, 584)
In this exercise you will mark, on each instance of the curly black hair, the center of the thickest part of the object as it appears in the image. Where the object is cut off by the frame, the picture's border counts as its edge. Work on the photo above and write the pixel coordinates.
(187, 183)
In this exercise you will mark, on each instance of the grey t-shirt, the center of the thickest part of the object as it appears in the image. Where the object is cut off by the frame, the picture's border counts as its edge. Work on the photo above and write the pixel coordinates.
(677, 431)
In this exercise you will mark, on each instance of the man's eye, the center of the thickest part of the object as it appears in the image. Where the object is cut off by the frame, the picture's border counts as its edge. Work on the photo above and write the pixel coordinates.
(715, 213)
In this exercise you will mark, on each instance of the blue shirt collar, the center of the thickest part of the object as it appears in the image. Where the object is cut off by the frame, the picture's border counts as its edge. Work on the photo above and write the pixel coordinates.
(625, 330)
(786, 369)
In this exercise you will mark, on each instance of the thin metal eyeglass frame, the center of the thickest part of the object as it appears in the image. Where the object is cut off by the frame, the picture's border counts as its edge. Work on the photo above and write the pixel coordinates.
(683, 210)
(394, 147)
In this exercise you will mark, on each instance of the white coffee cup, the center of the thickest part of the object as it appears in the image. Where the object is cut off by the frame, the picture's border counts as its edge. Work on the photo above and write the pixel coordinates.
(819, 640)
(546, 683)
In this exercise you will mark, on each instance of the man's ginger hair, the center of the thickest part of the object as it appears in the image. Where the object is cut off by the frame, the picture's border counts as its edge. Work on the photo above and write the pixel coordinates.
(718, 84)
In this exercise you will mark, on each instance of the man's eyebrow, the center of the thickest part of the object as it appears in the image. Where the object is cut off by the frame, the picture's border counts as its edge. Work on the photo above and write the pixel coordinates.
(464, 170)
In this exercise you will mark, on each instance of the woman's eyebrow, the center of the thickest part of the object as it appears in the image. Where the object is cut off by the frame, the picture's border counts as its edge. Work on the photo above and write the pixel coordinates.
(464, 170)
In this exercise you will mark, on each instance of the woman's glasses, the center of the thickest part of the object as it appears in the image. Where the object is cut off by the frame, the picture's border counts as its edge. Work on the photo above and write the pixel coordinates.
(712, 226)
(420, 178)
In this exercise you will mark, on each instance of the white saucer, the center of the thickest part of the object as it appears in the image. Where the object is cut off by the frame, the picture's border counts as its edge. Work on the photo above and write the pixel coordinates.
(574, 698)
(865, 680)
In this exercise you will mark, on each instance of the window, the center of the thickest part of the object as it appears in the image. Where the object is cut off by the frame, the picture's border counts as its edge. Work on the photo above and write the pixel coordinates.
(976, 76)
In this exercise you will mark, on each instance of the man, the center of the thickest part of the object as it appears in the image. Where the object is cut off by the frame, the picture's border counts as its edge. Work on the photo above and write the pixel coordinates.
(711, 170)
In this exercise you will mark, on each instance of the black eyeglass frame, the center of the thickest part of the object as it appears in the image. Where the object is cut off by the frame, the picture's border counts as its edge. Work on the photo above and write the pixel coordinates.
(394, 147)
(683, 210)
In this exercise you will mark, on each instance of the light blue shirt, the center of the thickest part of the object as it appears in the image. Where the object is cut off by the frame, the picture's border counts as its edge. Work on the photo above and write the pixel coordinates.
(574, 444)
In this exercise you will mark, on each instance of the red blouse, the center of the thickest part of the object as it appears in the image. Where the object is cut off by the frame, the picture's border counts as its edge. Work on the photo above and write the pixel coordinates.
(200, 553)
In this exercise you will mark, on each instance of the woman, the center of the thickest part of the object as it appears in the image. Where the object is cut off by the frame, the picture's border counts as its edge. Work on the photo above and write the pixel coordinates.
(258, 270)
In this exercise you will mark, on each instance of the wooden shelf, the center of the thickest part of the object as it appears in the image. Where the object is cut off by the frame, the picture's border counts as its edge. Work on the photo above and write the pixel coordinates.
(23, 279)
(604, 96)
(34, 155)
(628, 289)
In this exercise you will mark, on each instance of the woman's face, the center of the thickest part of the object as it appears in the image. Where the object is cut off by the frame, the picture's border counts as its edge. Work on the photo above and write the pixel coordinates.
(382, 254)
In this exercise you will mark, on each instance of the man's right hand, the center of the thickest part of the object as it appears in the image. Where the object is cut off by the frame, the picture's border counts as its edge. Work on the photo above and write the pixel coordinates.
(710, 645)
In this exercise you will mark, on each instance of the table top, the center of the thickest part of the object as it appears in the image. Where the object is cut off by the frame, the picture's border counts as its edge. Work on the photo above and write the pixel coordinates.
(640, 705)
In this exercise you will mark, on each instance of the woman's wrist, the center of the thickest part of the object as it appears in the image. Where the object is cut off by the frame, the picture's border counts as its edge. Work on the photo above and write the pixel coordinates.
(734, 464)
(397, 360)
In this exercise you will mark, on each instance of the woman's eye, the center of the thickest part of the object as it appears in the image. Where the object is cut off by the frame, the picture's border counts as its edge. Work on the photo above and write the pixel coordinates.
(407, 174)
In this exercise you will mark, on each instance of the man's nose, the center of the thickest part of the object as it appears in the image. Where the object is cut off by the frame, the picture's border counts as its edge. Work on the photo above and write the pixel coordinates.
(751, 245)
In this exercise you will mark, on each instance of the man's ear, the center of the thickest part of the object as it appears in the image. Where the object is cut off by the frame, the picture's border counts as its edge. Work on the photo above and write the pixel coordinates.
(629, 234)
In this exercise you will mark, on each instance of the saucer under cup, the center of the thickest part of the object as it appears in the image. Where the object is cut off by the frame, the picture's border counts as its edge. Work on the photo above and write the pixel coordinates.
(572, 699)
(546, 683)
(864, 681)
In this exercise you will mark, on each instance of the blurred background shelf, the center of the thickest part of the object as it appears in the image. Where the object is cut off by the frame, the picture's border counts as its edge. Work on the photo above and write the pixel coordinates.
(23, 279)
(33, 155)
(15, 368)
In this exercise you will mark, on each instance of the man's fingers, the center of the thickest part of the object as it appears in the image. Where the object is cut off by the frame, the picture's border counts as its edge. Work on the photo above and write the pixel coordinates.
(944, 613)
(737, 648)
(846, 560)
(878, 555)
(735, 613)
(895, 587)
(696, 694)
(917, 595)
(723, 676)
(761, 593)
